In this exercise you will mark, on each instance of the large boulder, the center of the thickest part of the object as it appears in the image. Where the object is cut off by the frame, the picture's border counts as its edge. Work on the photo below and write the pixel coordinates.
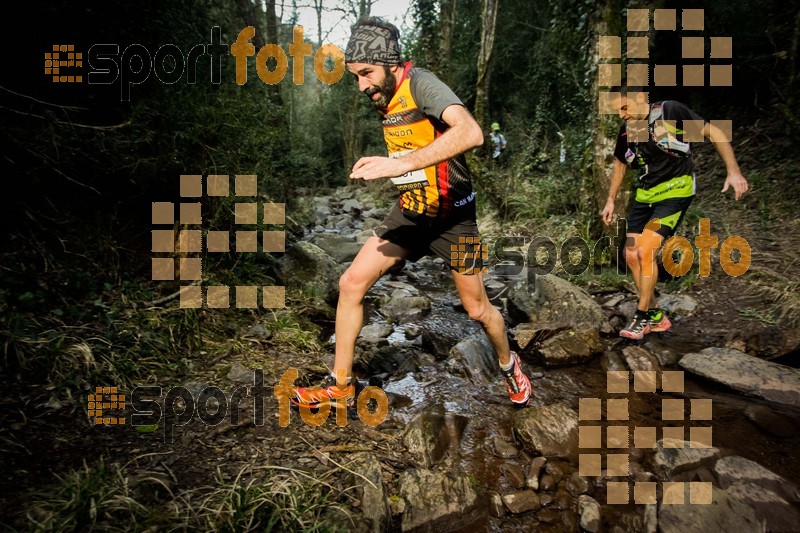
(551, 431)
(307, 267)
(402, 304)
(438, 501)
(425, 437)
(738, 470)
(570, 347)
(677, 456)
(555, 300)
(476, 358)
(725, 514)
(747, 374)
(341, 248)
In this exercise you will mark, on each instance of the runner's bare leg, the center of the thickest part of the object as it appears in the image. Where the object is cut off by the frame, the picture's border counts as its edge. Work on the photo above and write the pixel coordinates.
(374, 259)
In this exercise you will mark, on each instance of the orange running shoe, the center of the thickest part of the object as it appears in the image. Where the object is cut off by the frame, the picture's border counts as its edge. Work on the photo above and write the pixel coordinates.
(327, 394)
(517, 383)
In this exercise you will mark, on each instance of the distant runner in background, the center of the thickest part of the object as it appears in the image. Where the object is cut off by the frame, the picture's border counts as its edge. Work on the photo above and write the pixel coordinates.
(498, 143)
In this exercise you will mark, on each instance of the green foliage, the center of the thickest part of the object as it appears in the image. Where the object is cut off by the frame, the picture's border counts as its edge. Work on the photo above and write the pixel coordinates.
(106, 498)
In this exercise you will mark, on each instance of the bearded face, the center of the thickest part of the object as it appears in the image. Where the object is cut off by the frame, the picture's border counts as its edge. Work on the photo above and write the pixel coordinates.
(385, 90)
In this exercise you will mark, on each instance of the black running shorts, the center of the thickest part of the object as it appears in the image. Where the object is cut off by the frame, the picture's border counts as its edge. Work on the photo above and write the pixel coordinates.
(455, 239)
(670, 212)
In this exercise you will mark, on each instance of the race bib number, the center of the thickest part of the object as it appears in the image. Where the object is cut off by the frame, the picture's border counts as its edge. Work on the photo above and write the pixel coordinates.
(410, 181)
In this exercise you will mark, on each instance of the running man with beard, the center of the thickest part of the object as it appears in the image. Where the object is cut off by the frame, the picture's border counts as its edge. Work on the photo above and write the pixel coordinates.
(427, 130)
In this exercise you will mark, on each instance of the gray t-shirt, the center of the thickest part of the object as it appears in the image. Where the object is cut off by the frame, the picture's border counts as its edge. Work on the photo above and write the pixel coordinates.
(430, 93)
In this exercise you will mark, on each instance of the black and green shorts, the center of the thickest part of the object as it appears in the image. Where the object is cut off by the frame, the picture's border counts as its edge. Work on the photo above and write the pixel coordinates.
(455, 238)
(667, 201)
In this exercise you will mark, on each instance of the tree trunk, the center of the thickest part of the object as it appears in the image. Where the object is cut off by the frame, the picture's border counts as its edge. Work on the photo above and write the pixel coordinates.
(488, 23)
(248, 11)
(447, 10)
(604, 132)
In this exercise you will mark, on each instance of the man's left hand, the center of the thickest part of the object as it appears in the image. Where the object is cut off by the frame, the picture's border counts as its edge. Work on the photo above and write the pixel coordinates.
(738, 183)
(371, 168)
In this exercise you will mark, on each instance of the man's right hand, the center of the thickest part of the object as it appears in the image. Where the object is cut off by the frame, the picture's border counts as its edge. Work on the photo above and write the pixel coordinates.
(608, 212)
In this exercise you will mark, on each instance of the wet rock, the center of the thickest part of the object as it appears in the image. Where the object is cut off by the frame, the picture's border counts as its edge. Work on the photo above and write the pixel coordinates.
(577, 485)
(563, 500)
(513, 475)
(413, 331)
(321, 208)
(613, 301)
(437, 501)
(426, 436)
(705, 475)
(528, 334)
(734, 469)
(493, 287)
(496, 506)
(628, 309)
(375, 333)
(352, 206)
(370, 490)
(570, 520)
(306, 266)
(650, 518)
(570, 347)
(682, 458)
(589, 513)
(639, 359)
(340, 247)
(504, 449)
(678, 304)
(771, 422)
(437, 341)
(555, 470)
(769, 507)
(400, 305)
(546, 499)
(612, 361)
(240, 373)
(553, 299)
(747, 374)
(547, 483)
(550, 430)
(636, 454)
(522, 502)
(724, 514)
(476, 356)
(532, 481)
(548, 516)
(370, 224)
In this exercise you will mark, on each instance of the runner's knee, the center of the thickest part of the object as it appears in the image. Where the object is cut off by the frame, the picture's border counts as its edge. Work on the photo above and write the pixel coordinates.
(480, 311)
(633, 255)
(352, 285)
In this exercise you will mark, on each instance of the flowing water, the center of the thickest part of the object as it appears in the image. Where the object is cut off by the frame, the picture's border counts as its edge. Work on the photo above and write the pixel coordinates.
(772, 441)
